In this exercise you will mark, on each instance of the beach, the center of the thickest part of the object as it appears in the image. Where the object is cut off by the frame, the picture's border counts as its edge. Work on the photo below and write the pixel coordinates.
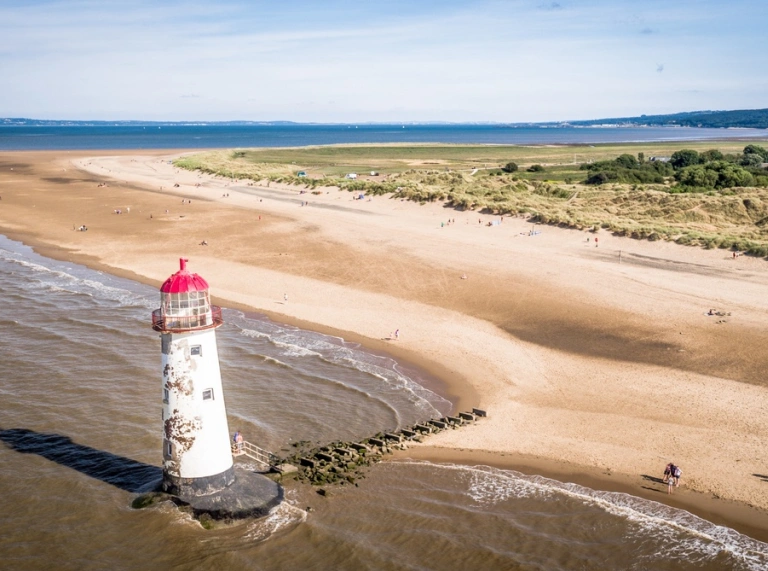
(593, 359)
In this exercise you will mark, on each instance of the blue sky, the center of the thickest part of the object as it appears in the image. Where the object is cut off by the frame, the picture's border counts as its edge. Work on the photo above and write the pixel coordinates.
(357, 61)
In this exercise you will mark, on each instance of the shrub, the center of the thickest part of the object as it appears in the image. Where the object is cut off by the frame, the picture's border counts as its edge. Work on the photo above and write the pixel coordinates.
(509, 167)
(756, 150)
(684, 158)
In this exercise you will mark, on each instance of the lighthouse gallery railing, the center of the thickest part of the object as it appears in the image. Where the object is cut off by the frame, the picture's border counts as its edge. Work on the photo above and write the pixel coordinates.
(180, 323)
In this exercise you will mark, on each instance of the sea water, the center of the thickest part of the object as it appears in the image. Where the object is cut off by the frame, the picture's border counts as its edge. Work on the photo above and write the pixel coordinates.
(174, 136)
(81, 432)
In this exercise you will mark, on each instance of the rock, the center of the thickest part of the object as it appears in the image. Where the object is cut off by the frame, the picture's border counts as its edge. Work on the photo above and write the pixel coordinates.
(149, 499)
(206, 521)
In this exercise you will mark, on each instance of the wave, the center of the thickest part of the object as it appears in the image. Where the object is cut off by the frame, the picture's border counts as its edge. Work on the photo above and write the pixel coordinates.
(66, 280)
(384, 372)
(679, 533)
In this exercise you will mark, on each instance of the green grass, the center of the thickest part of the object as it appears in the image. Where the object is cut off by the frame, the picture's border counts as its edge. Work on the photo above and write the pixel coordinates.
(735, 218)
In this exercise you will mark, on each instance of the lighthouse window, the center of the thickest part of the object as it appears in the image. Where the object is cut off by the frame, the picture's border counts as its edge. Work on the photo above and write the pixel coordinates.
(166, 395)
(168, 448)
(208, 394)
(196, 350)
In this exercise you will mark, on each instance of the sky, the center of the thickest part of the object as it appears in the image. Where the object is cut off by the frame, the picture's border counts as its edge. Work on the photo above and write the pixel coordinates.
(350, 61)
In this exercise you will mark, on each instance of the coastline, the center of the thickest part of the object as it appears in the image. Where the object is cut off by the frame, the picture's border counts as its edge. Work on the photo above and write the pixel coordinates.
(740, 516)
(462, 385)
(743, 518)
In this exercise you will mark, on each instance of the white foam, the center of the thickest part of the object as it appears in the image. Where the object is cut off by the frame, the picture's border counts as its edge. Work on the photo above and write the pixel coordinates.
(254, 334)
(384, 371)
(294, 350)
(682, 535)
(58, 280)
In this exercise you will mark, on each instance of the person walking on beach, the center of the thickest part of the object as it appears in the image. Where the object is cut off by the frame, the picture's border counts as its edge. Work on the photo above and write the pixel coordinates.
(667, 472)
(676, 473)
(397, 334)
(285, 297)
(670, 484)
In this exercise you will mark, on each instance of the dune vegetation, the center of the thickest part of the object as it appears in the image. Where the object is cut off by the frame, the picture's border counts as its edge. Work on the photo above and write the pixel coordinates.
(553, 184)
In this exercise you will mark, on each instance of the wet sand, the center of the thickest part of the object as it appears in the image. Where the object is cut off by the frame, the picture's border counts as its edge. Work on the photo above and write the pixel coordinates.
(590, 363)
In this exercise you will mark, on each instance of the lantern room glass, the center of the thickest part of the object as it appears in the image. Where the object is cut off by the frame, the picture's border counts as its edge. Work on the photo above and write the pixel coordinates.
(185, 304)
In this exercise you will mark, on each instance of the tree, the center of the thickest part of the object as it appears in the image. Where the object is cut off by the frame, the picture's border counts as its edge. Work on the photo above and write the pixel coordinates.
(697, 176)
(627, 161)
(756, 150)
(751, 160)
(684, 158)
(535, 168)
(731, 175)
(509, 167)
(711, 155)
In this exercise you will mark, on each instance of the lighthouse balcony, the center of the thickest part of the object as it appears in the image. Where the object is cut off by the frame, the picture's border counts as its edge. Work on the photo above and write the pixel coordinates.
(166, 323)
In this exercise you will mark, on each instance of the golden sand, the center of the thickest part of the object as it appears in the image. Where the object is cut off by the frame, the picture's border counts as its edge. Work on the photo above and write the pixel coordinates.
(599, 359)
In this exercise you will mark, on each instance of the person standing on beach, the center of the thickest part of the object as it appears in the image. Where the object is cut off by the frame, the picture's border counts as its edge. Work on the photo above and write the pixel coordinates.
(397, 334)
(667, 472)
(285, 297)
(670, 484)
(676, 473)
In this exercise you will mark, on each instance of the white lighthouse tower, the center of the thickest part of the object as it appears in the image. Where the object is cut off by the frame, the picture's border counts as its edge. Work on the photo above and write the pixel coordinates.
(197, 458)
(198, 466)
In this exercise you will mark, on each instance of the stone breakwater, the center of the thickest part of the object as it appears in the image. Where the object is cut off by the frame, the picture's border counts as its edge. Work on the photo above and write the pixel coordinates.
(344, 463)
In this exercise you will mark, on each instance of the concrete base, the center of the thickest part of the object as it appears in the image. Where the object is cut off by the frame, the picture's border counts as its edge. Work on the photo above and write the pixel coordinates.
(251, 495)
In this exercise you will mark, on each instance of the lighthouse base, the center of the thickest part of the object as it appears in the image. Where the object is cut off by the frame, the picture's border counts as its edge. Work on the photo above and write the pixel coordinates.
(250, 495)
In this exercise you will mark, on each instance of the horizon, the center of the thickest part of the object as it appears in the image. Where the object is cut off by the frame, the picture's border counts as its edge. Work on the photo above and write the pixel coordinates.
(481, 61)
(357, 123)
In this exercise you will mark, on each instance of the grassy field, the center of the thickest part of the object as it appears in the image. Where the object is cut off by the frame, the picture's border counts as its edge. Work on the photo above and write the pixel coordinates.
(470, 177)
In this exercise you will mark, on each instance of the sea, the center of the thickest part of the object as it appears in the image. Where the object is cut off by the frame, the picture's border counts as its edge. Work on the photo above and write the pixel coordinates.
(81, 432)
(175, 136)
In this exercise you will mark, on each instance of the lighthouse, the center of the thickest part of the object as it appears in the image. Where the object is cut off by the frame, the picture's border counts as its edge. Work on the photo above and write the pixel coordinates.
(198, 465)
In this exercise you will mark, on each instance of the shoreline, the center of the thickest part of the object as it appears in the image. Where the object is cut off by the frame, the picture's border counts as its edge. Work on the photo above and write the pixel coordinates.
(481, 364)
(742, 517)
(440, 379)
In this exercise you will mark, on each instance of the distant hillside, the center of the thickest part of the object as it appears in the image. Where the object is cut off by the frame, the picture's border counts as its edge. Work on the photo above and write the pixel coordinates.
(25, 122)
(745, 118)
